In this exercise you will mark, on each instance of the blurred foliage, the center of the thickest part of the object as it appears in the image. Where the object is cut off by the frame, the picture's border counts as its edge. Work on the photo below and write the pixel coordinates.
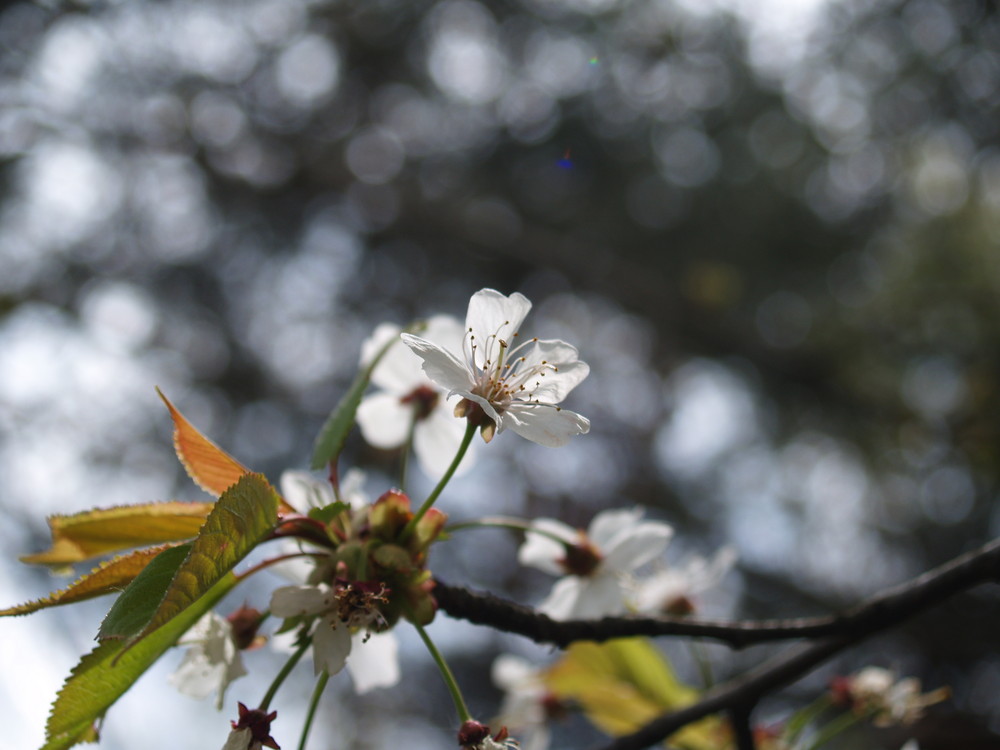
(772, 232)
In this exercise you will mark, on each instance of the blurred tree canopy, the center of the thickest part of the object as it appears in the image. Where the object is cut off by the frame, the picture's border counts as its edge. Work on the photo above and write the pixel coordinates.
(772, 229)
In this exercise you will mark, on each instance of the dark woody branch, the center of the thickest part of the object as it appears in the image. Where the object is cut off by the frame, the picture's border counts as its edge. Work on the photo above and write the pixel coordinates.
(880, 611)
(738, 697)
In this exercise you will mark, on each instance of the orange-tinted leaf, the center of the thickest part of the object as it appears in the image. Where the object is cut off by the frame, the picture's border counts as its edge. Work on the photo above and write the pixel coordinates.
(92, 533)
(207, 464)
(211, 468)
(107, 578)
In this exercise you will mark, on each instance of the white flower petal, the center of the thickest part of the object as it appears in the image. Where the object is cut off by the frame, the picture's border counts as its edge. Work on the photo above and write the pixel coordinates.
(491, 314)
(384, 420)
(440, 365)
(238, 739)
(291, 601)
(211, 662)
(542, 552)
(599, 596)
(609, 524)
(511, 672)
(303, 491)
(374, 663)
(545, 425)
(644, 543)
(382, 335)
(561, 602)
(436, 441)
(331, 645)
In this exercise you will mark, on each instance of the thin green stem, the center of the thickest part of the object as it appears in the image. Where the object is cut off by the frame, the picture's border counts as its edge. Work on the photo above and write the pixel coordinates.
(805, 716)
(506, 522)
(449, 678)
(470, 430)
(313, 703)
(284, 672)
(844, 721)
(704, 665)
(274, 560)
(407, 450)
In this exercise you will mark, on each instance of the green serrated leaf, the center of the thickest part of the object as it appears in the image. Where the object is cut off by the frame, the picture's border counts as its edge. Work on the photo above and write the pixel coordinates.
(242, 518)
(330, 441)
(328, 512)
(103, 675)
(136, 605)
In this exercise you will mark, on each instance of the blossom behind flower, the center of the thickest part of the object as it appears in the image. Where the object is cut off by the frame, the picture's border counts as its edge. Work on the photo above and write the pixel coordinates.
(597, 562)
(406, 396)
(212, 661)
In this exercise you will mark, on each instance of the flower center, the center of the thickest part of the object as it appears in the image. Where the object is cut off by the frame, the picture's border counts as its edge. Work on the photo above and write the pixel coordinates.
(581, 558)
(357, 603)
(502, 375)
(423, 398)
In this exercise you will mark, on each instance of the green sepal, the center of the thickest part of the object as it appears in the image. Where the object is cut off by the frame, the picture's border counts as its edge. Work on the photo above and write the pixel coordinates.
(328, 512)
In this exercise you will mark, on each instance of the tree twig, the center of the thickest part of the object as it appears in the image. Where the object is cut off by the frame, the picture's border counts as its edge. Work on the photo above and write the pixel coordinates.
(880, 611)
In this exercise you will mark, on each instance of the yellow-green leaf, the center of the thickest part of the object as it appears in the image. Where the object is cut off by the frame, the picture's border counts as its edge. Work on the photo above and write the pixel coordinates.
(242, 518)
(207, 464)
(108, 577)
(624, 684)
(92, 533)
(104, 675)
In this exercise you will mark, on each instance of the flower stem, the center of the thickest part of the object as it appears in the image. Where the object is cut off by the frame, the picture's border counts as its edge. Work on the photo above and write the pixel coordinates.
(313, 703)
(831, 730)
(704, 664)
(274, 560)
(470, 430)
(284, 672)
(407, 450)
(449, 678)
(506, 522)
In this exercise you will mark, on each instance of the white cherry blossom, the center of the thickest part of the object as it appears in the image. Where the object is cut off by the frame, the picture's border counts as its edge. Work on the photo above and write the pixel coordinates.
(348, 622)
(671, 590)
(405, 393)
(527, 700)
(212, 661)
(599, 562)
(517, 384)
(891, 701)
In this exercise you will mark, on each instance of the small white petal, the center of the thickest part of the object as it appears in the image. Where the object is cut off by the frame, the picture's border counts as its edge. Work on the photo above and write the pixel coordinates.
(382, 335)
(374, 663)
(303, 491)
(645, 542)
(599, 596)
(510, 672)
(541, 551)
(545, 425)
(440, 365)
(290, 601)
(331, 645)
(436, 440)
(609, 524)
(561, 602)
(492, 314)
(239, 739)
(384, 420)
